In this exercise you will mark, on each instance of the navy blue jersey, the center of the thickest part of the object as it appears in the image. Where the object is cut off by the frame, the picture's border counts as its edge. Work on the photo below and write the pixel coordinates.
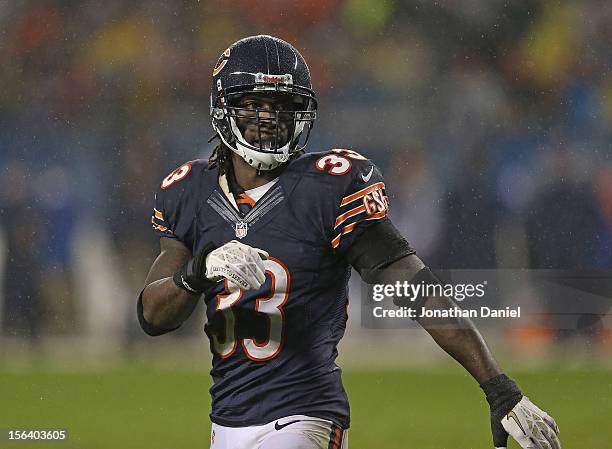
(274, 349)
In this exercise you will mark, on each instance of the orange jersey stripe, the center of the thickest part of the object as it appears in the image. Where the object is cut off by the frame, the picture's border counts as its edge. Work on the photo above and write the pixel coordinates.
(159, 227)
(349, 214)
(362, 192)
(348, 228)
(345, 230)
(337, 438)
(158, 214)
(245, 199)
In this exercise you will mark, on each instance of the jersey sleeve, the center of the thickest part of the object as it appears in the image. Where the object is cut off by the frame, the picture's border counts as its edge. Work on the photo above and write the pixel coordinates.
(174, 208)
(163, 219)
(360, 202)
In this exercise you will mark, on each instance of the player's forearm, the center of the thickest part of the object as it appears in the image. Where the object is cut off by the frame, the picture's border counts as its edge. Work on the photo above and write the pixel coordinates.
(457, 336)
(461, 340)
(165, 306)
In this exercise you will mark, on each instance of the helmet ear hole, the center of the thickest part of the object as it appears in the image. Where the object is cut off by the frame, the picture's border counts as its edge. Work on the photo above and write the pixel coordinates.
(218, 113)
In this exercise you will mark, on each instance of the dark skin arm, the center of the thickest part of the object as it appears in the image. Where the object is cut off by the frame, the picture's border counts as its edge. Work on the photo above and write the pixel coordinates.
(165, 306)
(457, 336)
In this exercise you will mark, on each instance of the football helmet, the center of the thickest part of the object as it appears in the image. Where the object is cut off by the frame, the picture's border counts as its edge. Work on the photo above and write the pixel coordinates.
(261, 101)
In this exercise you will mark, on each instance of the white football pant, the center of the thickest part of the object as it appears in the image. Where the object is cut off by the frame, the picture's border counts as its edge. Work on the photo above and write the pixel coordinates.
(290, 432)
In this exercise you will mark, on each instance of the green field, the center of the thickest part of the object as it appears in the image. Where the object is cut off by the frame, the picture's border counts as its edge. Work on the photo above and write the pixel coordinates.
(141, 406)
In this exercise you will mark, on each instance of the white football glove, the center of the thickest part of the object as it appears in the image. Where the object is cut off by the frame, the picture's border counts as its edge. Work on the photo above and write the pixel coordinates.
(242, 265)
(531, 427)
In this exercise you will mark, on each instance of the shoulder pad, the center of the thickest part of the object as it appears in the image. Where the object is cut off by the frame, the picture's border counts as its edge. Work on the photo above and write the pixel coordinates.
(185, 174)
(356, 189)
(339, 167)
(177, 199)
(338, 162)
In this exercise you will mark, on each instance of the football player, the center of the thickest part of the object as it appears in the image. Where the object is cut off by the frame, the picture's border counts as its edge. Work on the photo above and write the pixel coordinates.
(266, 235)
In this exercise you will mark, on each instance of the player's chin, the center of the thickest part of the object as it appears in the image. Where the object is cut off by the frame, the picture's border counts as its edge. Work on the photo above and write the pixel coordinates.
(267, 141)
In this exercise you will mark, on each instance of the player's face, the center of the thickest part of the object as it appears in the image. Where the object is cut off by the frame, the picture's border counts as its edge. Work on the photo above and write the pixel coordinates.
(266, 120)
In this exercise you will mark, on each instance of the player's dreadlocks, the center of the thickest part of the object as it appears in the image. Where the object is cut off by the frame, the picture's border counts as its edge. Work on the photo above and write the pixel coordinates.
(220, 157)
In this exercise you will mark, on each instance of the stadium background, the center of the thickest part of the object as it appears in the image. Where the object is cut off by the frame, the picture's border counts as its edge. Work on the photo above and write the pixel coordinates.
(491, 120)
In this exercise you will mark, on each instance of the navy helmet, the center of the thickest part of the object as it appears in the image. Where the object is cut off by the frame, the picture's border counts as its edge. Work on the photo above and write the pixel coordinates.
(269, 68)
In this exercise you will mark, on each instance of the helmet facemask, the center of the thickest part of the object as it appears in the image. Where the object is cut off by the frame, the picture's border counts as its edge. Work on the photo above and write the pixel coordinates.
(264, 126)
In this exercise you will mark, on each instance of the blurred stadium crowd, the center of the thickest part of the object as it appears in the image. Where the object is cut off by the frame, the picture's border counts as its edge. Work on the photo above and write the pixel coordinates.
(491, 120)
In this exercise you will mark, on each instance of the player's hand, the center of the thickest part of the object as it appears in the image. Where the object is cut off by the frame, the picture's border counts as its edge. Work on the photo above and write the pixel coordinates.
(240, 264)
(514, 414)
(531, 427)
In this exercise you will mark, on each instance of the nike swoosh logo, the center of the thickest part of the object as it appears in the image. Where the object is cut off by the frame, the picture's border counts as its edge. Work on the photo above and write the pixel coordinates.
(367, 177)
(278, 426)
(512, 415)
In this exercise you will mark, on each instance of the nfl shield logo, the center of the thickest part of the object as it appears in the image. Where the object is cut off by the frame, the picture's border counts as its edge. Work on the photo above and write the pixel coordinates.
(241, 229)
